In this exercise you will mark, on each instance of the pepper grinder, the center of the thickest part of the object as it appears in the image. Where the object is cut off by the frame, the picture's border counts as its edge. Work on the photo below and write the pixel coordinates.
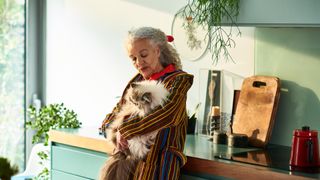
(216, 135)
(214, 120)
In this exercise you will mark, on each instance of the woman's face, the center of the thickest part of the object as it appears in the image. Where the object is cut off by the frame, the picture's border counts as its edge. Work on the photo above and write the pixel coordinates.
(145, 57)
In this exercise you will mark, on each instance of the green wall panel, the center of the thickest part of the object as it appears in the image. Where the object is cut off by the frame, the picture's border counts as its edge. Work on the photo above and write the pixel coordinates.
(293, 55)
(275, 13)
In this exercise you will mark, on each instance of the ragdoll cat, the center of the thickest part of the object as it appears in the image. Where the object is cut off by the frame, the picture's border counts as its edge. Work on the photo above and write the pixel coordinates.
(140, 99)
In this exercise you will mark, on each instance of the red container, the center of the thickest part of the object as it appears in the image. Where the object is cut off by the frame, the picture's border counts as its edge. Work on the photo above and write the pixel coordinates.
(305, 148)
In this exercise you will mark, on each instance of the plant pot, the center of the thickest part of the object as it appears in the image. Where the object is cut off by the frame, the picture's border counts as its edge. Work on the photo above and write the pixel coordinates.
(191, 126)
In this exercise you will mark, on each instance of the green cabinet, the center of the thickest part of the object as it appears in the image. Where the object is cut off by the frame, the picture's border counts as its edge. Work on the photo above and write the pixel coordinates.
(69, 162)
(56, 174)
(74, 163)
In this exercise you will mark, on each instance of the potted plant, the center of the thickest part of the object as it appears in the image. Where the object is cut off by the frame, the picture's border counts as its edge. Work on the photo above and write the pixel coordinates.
(210, 15)
(192, 120)
(49, 117)
(6, 169)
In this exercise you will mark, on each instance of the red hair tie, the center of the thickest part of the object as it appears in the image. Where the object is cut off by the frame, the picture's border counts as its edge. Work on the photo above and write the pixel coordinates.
(170, 38)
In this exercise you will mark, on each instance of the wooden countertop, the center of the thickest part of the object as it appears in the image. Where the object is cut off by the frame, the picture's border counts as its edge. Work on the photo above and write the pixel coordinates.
(202, 155)
(87, 138)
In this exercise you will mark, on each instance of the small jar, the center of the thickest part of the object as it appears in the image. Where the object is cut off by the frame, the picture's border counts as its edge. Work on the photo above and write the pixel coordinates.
(238, 140)
(219, 137)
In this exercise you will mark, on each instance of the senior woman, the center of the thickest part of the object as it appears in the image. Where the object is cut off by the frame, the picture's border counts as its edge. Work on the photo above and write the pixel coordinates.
(156, 59)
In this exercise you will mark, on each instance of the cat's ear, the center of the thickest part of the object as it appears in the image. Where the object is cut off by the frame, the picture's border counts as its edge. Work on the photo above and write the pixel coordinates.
(147, 97)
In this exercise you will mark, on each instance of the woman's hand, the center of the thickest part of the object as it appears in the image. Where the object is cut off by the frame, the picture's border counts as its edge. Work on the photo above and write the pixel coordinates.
(122, 143)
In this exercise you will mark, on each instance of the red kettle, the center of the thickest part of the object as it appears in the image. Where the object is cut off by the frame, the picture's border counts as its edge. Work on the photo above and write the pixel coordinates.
(305, 148)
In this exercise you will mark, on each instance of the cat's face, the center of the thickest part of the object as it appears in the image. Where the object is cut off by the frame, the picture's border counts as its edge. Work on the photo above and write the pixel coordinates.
(138, 96)
(144, 96)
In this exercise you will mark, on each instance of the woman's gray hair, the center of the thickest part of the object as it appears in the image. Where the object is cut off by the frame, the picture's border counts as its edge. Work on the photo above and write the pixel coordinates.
(168, 55)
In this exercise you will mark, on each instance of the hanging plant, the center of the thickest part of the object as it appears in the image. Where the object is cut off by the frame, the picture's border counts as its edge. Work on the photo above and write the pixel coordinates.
(210, 15)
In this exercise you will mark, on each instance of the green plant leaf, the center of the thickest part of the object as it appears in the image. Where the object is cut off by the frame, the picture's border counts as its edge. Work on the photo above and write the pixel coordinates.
(49, 117)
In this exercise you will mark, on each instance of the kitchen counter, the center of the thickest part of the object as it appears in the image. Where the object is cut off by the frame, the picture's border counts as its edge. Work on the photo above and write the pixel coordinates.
(205, 159)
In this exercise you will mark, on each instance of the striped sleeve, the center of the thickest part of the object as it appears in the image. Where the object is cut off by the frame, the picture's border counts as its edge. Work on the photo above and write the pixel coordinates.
(162, 117)
(109, 117)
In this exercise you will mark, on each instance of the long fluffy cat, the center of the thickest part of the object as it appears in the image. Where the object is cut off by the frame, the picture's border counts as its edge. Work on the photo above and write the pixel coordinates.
(140, 99)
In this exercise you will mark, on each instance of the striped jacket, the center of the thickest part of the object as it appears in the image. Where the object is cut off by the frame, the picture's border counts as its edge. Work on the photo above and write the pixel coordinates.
(165, 157)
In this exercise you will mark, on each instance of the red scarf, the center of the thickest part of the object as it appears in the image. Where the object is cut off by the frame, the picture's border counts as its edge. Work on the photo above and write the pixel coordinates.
(170, 68)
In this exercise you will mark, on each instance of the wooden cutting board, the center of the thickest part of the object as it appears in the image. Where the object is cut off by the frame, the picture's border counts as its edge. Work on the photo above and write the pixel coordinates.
(256, 109)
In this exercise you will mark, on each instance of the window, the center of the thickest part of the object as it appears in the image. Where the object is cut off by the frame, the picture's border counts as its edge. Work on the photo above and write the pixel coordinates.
(12, 81)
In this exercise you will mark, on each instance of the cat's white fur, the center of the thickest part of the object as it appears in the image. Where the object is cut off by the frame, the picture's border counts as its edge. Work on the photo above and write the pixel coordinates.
(138, 145)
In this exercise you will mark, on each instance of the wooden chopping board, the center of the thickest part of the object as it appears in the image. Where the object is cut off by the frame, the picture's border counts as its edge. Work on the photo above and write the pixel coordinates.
(256, 109)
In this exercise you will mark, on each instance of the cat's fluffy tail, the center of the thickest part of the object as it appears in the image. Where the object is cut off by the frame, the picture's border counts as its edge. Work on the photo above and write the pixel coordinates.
(118, 167)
